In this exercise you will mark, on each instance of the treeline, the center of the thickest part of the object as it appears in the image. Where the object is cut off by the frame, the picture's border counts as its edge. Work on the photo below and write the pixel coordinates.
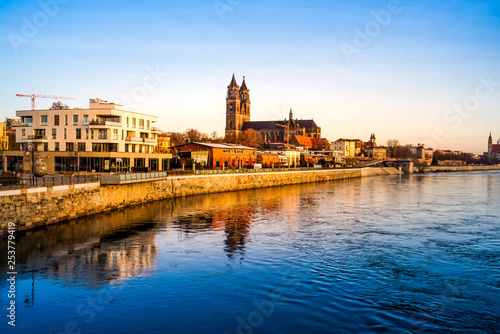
(249, 137)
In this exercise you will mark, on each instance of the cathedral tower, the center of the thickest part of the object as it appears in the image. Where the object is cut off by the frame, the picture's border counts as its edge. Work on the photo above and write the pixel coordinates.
(237, 107)
(490, 145)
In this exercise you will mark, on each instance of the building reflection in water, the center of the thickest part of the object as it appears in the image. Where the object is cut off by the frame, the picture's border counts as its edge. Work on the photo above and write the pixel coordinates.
(103, 248)
(91, 251)
(231, 213)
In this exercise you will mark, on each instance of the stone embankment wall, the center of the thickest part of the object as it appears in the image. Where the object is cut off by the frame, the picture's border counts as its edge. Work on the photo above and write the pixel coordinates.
(34, 207)
(434, 169)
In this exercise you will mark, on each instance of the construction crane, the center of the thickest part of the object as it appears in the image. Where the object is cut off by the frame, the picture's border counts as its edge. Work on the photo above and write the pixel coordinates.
(34, 96)
(287, 131)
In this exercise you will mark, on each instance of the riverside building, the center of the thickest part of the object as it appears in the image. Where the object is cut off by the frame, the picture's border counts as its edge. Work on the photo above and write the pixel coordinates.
(102, 138)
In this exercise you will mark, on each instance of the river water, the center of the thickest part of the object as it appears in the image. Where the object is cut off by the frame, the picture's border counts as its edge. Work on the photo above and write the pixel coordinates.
(395, 254)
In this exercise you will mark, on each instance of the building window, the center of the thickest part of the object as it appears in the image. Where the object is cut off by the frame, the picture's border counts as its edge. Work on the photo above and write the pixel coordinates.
(123, 133)
(146, 149)
(56, 146)
(69, 147)
(81, 147)
(104, 147)
(139, 162)
(141, 124)
(148, 124)
(43, 119)
(54, 133)
(91, 134)
(103, 134)
(126, 147)
(56, 119)
(66, 119)
(127, 122)
(78, 133)
(75, 119)
(133, 122)
(85, 119)
(133, 148)
(140, 148)
(115, 134)
(23, 134)
(86, 133)
(27, 120)
(64, 133)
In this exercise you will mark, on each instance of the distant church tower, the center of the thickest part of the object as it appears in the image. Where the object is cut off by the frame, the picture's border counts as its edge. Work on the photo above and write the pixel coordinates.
(490, 145)
(237, 107)
(373, 139)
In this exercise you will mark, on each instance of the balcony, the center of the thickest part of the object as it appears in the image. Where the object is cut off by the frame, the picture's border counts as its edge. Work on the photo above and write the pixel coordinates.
(138, 139)
(155, 129)
(40, 138)
(149, 140)
(104, 123)
(22, 124)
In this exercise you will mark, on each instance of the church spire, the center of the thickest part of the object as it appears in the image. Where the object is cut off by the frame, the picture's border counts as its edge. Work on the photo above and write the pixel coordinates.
(244, 92)
(233, 90)
(291, 114)
(233, 83)
(243, 84)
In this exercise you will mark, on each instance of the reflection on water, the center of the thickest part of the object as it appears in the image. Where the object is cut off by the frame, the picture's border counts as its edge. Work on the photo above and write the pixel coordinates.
(391, 254)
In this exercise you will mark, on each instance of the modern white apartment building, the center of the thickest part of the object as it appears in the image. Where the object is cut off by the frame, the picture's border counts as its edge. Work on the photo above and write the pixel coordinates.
(104, 137)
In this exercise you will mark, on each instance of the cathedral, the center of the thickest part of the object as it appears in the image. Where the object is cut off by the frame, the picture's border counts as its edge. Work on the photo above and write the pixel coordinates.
(238, 119)
(493, 149)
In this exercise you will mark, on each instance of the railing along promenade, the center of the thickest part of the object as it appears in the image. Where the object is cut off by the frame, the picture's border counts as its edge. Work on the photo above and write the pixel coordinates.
(25, 181)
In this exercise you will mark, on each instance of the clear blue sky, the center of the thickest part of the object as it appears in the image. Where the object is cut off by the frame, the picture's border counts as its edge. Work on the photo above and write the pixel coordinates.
(415, 76)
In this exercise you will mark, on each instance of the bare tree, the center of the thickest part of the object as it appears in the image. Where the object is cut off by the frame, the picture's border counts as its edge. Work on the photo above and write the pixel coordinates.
(59, 106)
(250, 138)
(176, 138)
(419, 165)
(193, 135)
(392, 144)
(402, 152)
(9, 122)
(324, 145)
(230, 139)
(13, 145)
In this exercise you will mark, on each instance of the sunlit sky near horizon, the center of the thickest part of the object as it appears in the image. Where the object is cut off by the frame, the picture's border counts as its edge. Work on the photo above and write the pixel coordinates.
(427, 72)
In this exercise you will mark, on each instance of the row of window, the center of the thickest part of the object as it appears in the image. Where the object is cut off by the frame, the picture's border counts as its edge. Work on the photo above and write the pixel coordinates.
(137, 148)
(100, 164)
(233, 151)
(101, 134)
(44, 120)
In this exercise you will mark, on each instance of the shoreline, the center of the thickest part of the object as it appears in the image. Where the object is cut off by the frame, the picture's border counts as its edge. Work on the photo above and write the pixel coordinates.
(34, 207)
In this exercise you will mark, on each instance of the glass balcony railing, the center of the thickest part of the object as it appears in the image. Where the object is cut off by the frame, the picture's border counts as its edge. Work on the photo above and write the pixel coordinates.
(133, 139)
(37, 137)
(105, 123)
